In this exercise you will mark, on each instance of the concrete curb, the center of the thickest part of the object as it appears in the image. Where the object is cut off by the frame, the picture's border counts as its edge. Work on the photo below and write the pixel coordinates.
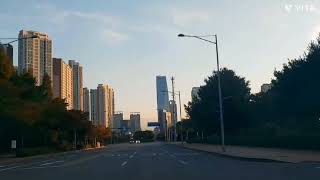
(235, 157)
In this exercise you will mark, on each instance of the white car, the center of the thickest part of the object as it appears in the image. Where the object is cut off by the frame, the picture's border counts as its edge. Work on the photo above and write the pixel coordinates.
(137, 141)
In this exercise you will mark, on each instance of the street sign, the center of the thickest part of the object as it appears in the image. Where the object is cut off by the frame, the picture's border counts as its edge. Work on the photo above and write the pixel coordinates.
(13, 144)
(152, 124)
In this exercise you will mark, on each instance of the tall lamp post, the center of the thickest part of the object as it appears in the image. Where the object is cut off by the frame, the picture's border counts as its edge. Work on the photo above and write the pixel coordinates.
(219, 81)
(17, 39)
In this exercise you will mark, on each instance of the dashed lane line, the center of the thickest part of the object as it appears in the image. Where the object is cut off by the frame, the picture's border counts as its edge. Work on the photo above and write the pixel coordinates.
(9, 168)
(124, 163)
(183, 162)
(49, 163)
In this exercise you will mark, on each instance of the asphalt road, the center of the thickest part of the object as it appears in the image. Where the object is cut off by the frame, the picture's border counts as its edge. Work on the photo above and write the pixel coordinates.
(156, 161)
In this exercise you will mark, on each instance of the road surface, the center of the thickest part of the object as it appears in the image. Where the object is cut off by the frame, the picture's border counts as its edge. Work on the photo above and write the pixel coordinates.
(156, 161)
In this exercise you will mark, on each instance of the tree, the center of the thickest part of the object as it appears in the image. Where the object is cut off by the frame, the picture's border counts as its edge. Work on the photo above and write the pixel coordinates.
(295, 94)
(46, 86)
(6, 68)
(204, 112)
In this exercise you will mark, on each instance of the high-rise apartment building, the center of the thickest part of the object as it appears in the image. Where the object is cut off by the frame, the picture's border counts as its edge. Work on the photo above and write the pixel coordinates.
(77, 85)
(86, 101)
(135, 122)
(117, 119)
(8, 51)
(105, 105)
(35, 55)
(173, 111)
(62, 82)
(93, 106)
(162, 100)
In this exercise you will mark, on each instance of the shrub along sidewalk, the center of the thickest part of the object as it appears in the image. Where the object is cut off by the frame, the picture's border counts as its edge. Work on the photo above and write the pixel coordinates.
(275, 154)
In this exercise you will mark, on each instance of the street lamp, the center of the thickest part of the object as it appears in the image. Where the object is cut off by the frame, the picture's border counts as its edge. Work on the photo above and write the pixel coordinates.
(17, 39)
(219, 81)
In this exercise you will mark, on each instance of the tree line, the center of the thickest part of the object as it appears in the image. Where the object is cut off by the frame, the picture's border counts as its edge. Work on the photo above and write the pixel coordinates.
(288, 115)
(29, 115)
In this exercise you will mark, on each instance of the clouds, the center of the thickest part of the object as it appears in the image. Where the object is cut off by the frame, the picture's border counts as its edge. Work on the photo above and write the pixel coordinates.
(103, 24)
(189, 17)
(113, 36)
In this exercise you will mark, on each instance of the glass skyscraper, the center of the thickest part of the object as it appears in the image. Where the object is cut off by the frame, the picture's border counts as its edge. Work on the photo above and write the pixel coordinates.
(162, 101)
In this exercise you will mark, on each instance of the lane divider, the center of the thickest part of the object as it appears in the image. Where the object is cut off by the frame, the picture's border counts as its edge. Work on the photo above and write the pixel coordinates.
(183, 162)
(124, 163)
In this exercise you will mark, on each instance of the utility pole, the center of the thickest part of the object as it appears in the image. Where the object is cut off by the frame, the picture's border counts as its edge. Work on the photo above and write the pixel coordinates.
(75, 139)
(180, 117)
(174, 110)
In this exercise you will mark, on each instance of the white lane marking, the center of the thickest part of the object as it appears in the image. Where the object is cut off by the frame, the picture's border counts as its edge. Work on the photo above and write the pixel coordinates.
(171, 155)
(113, 155)
(13, 167)
(45, 161)
(49, 163)
(41, 167)
(183, 162)
(154, 154)
(124, 163)
(135, 153)
(131, 156)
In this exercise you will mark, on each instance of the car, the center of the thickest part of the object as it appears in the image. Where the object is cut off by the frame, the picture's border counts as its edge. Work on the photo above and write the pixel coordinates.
(132, 141)
(137, 141)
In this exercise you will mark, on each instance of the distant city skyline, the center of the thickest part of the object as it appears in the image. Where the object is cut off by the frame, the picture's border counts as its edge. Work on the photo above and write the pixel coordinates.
(128, 48)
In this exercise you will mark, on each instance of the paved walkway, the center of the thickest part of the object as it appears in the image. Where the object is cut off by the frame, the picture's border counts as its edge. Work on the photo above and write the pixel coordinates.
(285, 155)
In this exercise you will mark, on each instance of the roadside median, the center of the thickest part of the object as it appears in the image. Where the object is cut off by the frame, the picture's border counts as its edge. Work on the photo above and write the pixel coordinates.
(257, 153)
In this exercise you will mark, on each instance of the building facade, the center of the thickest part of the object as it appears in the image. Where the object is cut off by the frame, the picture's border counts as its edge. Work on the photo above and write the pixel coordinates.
(93, 106)
(77, 85)
(162, 100)
(117, 119)
(105, 105)
(8, 51)
(173, 112)
(135, 122)
(86, 101)
(35, 55)
(62, 82)
(125, 126)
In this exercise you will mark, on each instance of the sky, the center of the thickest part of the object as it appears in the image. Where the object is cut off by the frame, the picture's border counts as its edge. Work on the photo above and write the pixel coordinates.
(126, 43)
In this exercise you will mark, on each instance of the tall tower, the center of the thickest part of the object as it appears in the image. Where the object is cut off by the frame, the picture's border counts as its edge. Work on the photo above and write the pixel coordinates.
(62, 82)
(77, 85)
(35, 55)
(8, 51)
(93, 106)
(162, 101)
(135, 124)
(86, 101)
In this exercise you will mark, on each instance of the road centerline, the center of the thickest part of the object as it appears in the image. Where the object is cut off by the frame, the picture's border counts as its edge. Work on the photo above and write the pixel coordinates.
(124, 163)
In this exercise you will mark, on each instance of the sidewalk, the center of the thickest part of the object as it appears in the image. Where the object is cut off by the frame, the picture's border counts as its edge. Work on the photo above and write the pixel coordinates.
(273, 154)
